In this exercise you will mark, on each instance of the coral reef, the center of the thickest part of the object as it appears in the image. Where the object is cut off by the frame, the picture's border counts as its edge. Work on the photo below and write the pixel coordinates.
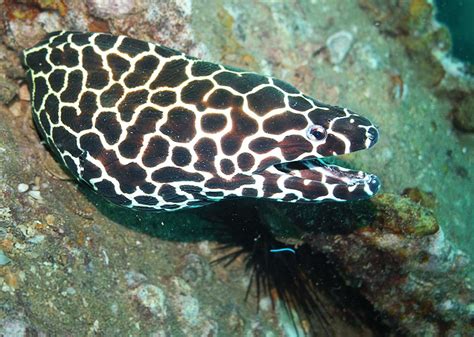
(411, 23)
(71, 264)
(404, 265)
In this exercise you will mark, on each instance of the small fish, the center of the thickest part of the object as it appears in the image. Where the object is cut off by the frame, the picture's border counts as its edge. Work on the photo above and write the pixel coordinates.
(149, 127)
(279, 250)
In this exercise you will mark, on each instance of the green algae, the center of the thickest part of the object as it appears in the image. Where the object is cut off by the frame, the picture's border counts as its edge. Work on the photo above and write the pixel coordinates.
(401, 215)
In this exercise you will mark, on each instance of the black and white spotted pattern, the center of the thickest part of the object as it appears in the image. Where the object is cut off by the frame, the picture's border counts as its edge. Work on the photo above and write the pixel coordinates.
(152, 128)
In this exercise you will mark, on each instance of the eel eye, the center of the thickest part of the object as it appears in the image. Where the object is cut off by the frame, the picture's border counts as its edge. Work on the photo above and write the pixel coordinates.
(316, 132)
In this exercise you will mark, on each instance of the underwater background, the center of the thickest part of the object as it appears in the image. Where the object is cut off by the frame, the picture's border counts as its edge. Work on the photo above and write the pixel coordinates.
(458, 15)
(397, 264)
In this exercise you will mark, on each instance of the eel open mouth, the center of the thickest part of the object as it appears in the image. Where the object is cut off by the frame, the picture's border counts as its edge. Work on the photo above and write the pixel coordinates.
(318, 180)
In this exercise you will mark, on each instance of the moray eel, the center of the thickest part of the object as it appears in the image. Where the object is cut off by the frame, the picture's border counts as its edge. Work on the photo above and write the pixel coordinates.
(149, 127)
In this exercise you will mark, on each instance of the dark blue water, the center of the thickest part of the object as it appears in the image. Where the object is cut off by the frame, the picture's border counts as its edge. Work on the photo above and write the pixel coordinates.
(458, 15)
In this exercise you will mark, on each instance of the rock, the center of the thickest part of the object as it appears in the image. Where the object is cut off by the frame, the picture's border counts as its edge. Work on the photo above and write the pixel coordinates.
(265, 303)
(49, 21)
(25, 34)
(209, 328)
(196, 269)
(184, 303)
(462, 107)
(13, 327)
(24, 93)
(152, 299)
(339, 45)
(425, 199)
(36, 195)
(18, 108)
(403, 251)
(8, 90)
(412, 24)
(4, 259)
(134, 279)
(463, 114)
(105, 9)
(22, 188)
(189, 309)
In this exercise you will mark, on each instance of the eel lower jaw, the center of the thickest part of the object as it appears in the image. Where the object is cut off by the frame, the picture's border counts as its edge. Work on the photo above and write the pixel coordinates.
(317, 170)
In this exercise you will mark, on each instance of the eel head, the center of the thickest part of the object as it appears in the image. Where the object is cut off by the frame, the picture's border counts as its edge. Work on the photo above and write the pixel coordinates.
(296, 170)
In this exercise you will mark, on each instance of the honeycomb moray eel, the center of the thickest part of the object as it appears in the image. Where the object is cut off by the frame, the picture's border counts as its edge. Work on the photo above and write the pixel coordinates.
(149, 127)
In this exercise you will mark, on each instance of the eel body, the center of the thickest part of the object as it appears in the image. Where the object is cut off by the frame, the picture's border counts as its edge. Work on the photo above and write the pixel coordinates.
(149, 127)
